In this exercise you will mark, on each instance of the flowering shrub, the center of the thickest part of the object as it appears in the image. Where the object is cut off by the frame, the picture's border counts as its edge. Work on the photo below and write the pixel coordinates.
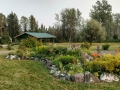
(95, 55)
(106, 63)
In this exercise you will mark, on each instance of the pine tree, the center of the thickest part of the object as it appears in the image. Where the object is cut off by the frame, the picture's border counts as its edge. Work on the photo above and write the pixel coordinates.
(13, 25)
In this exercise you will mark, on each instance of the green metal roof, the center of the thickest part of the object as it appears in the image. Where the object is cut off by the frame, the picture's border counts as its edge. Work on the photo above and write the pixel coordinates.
(40, 35)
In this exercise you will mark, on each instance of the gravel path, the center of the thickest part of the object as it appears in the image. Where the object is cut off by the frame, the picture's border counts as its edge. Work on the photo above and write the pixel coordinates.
(105, 52)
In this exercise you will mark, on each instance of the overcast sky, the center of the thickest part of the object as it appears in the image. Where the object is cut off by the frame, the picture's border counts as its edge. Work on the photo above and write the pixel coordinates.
(44, 10)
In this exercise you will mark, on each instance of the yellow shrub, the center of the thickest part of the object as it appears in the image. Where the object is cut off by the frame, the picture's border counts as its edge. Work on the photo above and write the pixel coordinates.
(106, 63)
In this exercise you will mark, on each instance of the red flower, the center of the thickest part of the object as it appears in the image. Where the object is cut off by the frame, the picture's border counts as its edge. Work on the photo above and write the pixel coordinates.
(93, 54)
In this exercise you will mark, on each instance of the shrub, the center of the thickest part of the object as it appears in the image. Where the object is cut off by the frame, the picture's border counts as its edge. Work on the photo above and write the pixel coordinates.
(68, 59)
(65, 60)
(9, 47)
(58, 50)
(29, 42)
(105, 46)
(93, 67)
(1, 46)
(74, 52)
(107, 63)
(72, 68)
(85, 45)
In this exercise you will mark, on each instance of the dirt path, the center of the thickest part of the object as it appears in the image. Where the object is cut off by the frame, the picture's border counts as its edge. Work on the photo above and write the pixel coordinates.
(5, 52)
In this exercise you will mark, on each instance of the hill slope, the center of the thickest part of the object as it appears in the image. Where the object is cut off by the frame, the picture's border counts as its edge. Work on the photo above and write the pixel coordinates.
(32, 75)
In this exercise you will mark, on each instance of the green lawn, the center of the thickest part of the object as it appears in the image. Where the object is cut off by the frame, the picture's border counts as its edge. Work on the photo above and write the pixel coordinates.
(32, 75)
(113, 46)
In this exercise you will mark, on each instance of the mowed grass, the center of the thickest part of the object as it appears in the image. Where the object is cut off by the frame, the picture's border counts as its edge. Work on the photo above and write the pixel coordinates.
(112, 47)
(32, 75)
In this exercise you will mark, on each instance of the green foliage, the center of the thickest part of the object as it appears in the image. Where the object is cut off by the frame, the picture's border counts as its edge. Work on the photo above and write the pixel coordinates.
(93, 67)
(85, 45)
(70, 19)
(115, 37)
(19, 74)
(9, 47)
(26, 45)
(107, 63)
(67, 59)
(58, 50)
(29, 43)
(5, 38)
(33, 24)
(24, 22)
(20, 52)
(105, 46)
(13, 25)
(74, 52)
(102, 12)
(48, 51)
(73, 69)
(93, 31)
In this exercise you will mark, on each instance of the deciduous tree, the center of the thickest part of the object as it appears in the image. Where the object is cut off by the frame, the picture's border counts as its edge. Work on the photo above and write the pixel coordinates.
(93, 31)
(102, 12)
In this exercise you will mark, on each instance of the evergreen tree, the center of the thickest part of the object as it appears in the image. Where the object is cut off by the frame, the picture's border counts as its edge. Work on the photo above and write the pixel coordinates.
(5, 39)
(32, 23)
(3, 23)
(42, 28)
(24, 23)
(36, 27)
(13, 25)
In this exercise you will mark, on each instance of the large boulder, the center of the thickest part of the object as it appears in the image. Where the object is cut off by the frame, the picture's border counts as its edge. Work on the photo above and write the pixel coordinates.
(90, 78)
(79, 77)
(86, 57)
(108, 77)
(13, 57)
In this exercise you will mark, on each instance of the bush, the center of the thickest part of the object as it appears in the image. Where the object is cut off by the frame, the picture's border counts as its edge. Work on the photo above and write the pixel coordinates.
(85, 45)
(29, 42)
(107, 63)
(60, 50)
(73, 69)
(105, 46)
(9, 47)
(93, 67)
(74, 52)
(1, 46)
(66, 60)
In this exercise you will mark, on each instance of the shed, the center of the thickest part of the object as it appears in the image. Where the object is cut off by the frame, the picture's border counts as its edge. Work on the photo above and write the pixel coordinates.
(39, 36)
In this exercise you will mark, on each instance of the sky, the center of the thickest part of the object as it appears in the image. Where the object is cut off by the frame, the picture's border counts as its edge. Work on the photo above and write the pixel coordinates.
(44, 10)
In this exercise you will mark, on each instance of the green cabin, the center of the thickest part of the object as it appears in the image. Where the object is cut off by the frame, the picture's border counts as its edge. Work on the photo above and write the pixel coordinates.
(44, 37)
